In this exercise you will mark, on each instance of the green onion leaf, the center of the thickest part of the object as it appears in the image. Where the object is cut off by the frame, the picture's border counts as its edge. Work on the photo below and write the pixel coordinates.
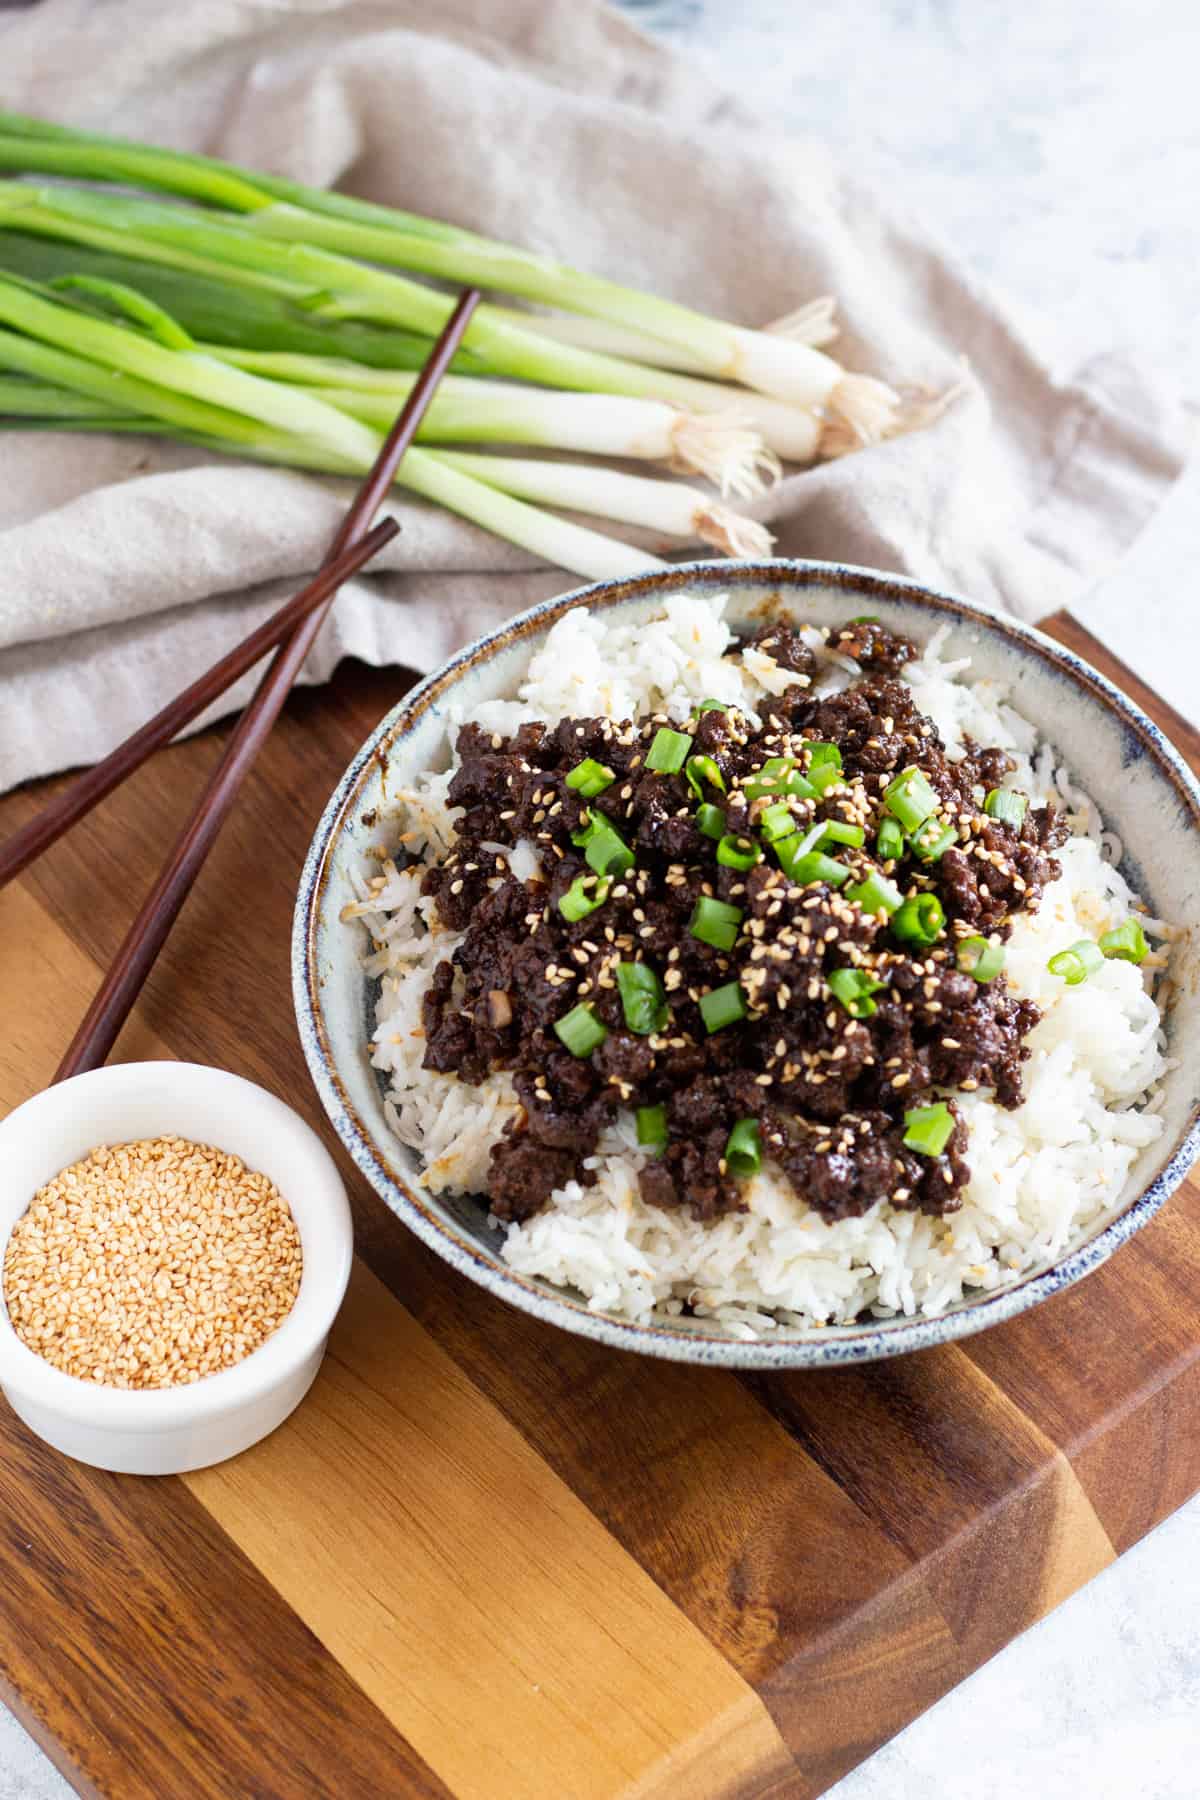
(813, 865)
(715, 922)
(928, 1129)
(743, 1149)
(889, 845)
(590, 778)
(722, 1006)
(642, 998)
(604, 849)
(866, 619)
(838, 832)
(919, 920)
(1077, 963)
(876, 894)
(585, 894)
(1126, 942)
(711, 820)
(581, 1031)
(1007, 806)
(738, 852)
(668, 752)
(698, 770)
(933, 839)
(853, 988)
(714, 706)
(910, 799)
(652, 1127)
(775, 822)
(978, 957)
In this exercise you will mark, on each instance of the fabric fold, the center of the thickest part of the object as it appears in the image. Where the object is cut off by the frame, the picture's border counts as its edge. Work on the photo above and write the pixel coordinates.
(127, 564)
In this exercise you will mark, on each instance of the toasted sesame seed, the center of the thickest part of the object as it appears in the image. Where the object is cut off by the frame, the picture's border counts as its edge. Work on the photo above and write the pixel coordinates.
(190, 1261)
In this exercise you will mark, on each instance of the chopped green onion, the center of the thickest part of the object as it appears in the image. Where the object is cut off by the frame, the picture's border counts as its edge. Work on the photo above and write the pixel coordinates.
(876, 894)
(866, 619)
(933, 839)
(698, 770)
(822, 756)
(778, 776)
(722, 1006)
(1077, 963)
(604, 849)
(812, 866)
(668, 752)
(889, 845)
(1127, 942)
(711, 820)
(715, 922)
(928, 1129)
(578, 901)
(743, 1149)
(642, 998)
(769, 781)
(910, 798)
(590, 778)
(775, 822)
(824, 777)
(853, 988)
(838, 832)
(704, 706)
(652, 1127)
(738, 852)
(581, 1031)
(1007, 806)
(919, 920)
(977, 957)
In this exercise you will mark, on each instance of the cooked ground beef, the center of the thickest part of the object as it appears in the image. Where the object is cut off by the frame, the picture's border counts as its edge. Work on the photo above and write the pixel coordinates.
(827, 1081)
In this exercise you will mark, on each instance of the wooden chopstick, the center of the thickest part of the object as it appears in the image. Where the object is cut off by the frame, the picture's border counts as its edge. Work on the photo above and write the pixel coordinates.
(88, 789)
(110, 1008)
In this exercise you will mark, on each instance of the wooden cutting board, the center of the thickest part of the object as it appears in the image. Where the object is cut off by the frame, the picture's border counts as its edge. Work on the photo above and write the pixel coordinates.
(486, 1559)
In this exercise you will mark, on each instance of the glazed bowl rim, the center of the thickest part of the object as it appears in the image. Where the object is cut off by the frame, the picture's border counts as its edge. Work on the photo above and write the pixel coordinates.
(819, 1345)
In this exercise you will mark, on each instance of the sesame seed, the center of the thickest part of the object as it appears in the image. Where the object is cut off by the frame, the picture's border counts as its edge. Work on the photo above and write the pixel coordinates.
(188, 1259)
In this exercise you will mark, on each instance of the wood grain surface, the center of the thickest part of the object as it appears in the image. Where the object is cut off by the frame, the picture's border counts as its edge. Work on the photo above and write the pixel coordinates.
(486, 1559)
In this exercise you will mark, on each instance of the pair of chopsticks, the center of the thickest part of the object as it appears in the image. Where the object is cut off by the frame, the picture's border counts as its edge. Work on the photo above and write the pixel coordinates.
(294, 629)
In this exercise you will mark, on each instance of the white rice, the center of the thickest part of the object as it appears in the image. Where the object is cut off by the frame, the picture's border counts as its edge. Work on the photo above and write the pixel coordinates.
(1041, 1175)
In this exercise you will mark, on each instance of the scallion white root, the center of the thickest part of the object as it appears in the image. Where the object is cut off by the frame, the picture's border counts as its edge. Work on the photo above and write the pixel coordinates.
(669, 507)
(719, 446)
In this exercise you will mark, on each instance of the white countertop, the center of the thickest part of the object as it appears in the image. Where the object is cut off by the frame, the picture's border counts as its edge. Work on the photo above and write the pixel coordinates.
(1058, 146)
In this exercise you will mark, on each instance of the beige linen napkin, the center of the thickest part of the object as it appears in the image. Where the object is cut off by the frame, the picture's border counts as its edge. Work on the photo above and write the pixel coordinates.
(125, 566)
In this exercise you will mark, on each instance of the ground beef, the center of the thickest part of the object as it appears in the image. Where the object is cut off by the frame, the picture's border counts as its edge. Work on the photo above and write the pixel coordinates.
(828, 1090)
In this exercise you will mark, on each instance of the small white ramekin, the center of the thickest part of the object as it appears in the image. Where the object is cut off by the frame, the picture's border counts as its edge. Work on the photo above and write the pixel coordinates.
(163, 1431)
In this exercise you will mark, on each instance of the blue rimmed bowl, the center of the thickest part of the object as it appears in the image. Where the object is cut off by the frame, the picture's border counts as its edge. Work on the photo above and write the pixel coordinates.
(1148, 795)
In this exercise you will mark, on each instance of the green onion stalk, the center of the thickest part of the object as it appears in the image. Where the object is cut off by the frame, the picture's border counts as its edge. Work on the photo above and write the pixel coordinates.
(330, 287)
(273, 209)
(480, 411)
(148, 386)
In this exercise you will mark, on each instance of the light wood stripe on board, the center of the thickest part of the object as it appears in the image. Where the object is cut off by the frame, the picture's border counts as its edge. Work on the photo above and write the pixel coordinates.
(472, 1596)
(459, 1581)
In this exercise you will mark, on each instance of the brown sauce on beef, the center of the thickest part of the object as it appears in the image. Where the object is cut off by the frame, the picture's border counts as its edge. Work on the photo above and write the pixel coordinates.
(828, 1090)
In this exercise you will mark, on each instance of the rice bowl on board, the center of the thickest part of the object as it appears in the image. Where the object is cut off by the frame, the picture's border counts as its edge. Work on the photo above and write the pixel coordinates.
(777, 1256)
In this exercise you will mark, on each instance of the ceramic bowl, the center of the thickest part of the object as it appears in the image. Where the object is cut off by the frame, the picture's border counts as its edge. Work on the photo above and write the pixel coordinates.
(1148, 796)
(164, 1431)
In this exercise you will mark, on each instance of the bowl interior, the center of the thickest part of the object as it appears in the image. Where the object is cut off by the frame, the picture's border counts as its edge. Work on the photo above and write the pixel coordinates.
(1111, 749)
